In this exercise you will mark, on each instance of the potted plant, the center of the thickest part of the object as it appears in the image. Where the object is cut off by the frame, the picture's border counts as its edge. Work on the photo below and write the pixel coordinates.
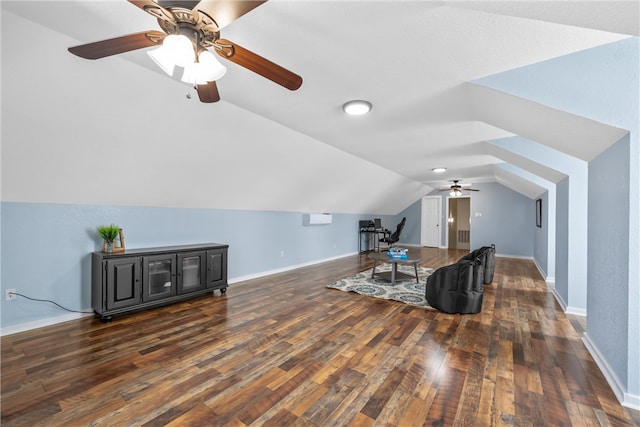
(109, 233)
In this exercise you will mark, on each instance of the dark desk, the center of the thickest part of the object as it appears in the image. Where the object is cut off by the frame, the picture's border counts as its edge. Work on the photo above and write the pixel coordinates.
(369, 238)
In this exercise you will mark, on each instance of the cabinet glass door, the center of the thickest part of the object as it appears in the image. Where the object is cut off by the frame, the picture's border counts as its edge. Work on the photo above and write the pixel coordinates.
(191, 272)
(159, 280)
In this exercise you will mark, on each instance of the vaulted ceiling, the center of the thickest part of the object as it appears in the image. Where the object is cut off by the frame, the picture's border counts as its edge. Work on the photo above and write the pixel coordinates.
(413, 60)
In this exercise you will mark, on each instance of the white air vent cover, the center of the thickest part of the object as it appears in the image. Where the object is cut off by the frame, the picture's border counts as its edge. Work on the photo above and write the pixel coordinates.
(316, 218)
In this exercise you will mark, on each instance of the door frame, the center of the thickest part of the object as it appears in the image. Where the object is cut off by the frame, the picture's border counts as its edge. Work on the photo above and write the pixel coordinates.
(446, 237)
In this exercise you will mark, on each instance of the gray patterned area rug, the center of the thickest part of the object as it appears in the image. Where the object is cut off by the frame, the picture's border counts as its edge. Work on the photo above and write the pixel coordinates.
(406, 290)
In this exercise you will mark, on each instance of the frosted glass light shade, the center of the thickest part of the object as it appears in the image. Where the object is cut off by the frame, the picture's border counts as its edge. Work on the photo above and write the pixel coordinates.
(180, 49)
(163, 59)
(212, 68)
(208, 69)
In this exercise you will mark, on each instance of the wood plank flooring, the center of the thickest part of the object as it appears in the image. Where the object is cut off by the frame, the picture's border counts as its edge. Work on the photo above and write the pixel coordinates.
(284, 350)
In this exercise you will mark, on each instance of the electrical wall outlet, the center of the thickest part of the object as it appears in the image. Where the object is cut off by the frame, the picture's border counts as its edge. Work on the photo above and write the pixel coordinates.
(10, 294)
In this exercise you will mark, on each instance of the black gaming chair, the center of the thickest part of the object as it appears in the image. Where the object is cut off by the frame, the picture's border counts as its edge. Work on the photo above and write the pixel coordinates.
(393, 238)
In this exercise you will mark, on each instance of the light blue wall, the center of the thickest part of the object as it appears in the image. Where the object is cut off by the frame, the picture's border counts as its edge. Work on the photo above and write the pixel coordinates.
(507, 220)
(46, 247)
(562, 240)
(575, 301)
(608, 207)
(544, 243)
(412, 228)
(602, 84)
(540, 236)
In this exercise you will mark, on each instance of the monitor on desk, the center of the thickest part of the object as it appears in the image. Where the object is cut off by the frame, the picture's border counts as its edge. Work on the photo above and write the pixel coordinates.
(377, 223)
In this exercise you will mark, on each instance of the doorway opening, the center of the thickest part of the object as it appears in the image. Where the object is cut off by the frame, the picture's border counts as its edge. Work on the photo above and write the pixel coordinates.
(459, 223)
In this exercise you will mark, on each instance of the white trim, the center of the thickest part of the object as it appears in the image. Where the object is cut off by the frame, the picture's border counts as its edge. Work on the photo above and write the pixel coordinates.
(22, 327)
(576, 311)
(558, 297)
(515, 256)
(549, 280)
(73, 316)
(631, 401)
(626, 399)
(288, 268)
(551, 283)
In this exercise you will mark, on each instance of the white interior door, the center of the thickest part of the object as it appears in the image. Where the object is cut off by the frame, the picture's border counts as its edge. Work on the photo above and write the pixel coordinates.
(430, 222)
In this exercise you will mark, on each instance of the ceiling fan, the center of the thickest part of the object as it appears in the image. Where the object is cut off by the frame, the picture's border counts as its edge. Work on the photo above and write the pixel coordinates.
(456, 189)
(189, 30)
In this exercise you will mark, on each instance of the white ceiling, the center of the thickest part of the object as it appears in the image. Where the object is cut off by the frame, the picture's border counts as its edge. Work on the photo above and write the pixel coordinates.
(409, 58)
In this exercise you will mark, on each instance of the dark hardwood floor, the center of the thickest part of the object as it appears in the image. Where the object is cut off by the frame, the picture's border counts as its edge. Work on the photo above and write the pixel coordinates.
(284, 350)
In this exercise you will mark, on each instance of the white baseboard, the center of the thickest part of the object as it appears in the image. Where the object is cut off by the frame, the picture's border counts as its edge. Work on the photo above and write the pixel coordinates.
(72, 316)
(514, 256)
(548, 279)
(22, 327)
(551, 283)
(559, 299)
(626, 399)
(287, 268)
(576, 311)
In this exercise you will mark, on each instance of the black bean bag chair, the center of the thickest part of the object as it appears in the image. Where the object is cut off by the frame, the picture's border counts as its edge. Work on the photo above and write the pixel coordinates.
(457, 288)
(487, 255)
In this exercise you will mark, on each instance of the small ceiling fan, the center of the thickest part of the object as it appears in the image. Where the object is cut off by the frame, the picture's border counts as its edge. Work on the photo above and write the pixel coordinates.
(456, 189)
(189, 30)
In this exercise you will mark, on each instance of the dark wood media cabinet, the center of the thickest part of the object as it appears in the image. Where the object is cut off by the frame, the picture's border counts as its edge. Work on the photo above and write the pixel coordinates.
(137, 279)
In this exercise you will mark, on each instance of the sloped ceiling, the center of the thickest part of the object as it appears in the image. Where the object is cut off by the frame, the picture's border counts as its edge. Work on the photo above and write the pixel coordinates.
(264, 144)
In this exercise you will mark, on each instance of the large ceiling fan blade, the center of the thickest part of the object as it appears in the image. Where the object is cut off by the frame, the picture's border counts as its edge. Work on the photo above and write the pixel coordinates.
(258, 64)
(208, 93)
(225, 12)
(117, 45)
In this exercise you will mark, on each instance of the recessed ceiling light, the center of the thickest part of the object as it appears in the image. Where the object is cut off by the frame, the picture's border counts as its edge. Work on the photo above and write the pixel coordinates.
(357, 107)
(439, 170)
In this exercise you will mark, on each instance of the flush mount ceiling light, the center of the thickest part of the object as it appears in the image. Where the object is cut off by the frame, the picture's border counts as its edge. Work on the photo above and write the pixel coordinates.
(439, 170)
(357, 107)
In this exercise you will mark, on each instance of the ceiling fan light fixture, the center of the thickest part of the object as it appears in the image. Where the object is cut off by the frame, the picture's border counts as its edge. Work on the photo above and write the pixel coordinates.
(212, 68)
(180, 49)
(192, 75)
(357, 107)
(208, 69)
(163, 59)
(455, 193)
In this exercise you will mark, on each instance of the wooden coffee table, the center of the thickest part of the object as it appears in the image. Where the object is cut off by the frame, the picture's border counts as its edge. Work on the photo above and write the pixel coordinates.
(382, 257)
